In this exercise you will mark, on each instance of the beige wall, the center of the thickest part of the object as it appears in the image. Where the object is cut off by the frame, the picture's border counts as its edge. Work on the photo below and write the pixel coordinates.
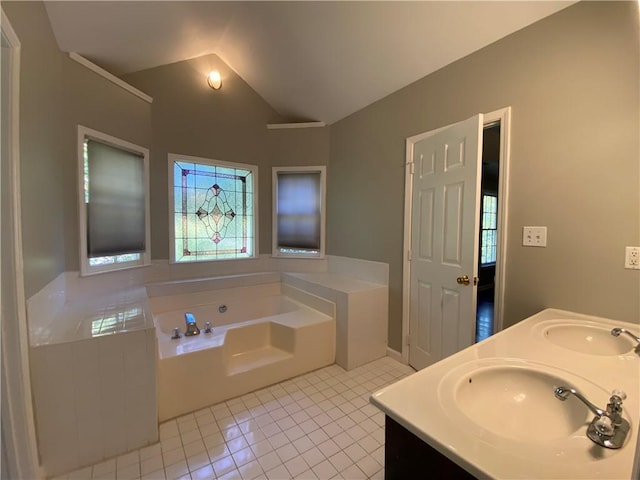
(40, 153)
(572, 81)
(56, 94)
(230, 124)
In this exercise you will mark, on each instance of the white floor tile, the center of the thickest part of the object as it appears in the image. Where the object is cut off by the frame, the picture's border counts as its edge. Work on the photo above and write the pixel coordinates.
(151, 465)
(303, 444)
(223, 466)
(157, 475)
(204, 473)
(269, 461)
(218, 452)
(340, 461)
(287, 452)
(176, 470)
(355, 452)
(262, 448)
(244, 456)
(317, 426)
(190, 436)
(197, 461)
(173, 456)
(324, 470)
(251, 470)
(296, 466)
(232, 475)
(278, 473)
(369, 466)
(313, 456)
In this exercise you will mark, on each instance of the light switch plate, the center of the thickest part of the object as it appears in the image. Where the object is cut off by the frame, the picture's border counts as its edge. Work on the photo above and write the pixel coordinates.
(534, 236)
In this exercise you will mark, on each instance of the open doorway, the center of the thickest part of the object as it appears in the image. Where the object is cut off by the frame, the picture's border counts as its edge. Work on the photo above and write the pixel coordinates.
(488, 238)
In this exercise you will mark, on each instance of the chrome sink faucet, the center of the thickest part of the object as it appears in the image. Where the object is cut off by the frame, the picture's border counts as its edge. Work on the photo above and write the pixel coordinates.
(617, 331)
(608, 428)
(192, 328)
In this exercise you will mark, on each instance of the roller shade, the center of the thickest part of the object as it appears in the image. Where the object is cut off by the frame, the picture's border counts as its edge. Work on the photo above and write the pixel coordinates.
(116, 201)
(299, 210)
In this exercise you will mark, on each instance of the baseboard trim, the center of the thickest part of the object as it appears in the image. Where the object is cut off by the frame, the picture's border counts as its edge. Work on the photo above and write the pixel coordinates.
(397, 356)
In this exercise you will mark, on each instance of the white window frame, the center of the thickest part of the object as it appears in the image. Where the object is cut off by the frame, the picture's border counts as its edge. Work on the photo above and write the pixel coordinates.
(145, 257)
(173, 157)
(482, 196)
(323, 207)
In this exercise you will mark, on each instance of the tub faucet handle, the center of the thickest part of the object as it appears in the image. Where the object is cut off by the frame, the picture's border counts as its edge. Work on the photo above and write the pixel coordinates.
(176, 334)
(208, 328)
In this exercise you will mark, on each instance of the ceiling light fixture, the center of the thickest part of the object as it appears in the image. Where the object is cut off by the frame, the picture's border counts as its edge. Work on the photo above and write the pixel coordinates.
(214, 79)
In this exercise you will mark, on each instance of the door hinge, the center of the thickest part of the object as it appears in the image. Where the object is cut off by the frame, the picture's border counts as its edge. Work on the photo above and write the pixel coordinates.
(407, 340)
(409, 255)
(411, 167)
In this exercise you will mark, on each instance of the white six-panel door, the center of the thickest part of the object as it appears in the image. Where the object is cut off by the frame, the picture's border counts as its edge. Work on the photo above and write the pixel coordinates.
(444, 241)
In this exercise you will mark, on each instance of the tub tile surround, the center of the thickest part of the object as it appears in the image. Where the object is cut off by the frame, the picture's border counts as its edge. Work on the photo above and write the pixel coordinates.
(94, 398)
(89, 294)
(425, 403)
(315, 426)
(109, 313)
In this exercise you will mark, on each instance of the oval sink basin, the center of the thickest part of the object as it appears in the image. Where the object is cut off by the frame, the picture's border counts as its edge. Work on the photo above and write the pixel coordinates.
(589, 339)
(517, 401)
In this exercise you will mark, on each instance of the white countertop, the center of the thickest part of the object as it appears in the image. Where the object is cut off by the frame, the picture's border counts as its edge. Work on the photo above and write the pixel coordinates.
(425, 404)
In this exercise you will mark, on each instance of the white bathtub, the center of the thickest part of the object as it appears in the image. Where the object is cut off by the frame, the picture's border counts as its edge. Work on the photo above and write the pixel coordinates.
(267, 333)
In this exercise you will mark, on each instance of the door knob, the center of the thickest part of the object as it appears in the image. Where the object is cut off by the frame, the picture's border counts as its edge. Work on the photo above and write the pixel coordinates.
(463, 280)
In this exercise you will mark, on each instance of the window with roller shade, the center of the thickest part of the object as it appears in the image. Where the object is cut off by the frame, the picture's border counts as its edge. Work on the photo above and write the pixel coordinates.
(299, 211)
(114, 206)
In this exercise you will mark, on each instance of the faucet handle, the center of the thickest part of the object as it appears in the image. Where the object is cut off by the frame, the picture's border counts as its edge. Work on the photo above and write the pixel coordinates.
(208, 328)
(176, 334)
(620, 394)
(604, 426)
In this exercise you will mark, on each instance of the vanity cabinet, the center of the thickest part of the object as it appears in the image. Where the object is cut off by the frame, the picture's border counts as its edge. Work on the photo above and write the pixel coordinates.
(406, 456)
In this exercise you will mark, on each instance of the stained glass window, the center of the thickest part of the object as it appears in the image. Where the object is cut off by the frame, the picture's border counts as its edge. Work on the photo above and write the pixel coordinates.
(489, 232)
(214, 207)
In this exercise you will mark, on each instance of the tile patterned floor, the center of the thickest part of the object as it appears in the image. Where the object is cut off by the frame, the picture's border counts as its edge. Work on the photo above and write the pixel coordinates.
(316, 426)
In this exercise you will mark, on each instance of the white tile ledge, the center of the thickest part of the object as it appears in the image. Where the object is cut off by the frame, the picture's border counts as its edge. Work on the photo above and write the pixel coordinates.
(116, 312)
(335, 281)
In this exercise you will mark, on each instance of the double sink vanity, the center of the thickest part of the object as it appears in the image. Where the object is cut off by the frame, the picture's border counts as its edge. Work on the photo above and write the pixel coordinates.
(554, 396)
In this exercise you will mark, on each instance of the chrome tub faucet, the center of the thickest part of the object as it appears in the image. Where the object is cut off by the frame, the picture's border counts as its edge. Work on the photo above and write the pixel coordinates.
(608, 428)
(192, 328)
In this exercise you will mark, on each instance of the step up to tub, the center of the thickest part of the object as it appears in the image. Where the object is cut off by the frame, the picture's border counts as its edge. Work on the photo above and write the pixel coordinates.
(256, 345)
(253, 359)
(362, 313)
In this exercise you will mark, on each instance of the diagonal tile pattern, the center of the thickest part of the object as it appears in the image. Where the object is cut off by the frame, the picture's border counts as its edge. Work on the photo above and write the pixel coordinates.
(316, 426)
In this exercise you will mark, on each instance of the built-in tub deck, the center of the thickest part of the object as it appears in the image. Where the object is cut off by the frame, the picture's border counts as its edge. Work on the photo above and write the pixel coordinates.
(262, 334)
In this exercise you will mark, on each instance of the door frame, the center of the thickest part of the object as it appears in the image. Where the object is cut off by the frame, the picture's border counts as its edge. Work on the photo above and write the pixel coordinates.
(18, 433)
(504, 116)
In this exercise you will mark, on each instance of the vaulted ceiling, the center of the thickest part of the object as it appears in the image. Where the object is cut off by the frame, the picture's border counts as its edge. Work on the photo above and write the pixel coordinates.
(310, 60)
